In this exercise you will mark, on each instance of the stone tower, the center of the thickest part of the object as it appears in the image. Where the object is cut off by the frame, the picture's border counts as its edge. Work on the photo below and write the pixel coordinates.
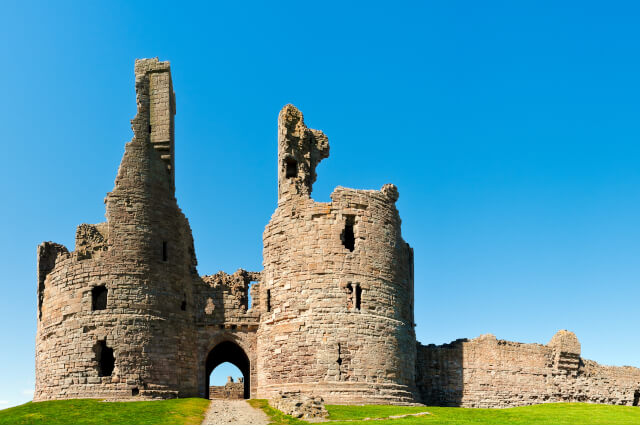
(115, 316)
(337, 285)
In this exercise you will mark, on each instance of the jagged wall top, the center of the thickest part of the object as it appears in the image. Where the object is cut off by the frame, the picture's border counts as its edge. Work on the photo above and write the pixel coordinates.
(566, 342)
(300, 149)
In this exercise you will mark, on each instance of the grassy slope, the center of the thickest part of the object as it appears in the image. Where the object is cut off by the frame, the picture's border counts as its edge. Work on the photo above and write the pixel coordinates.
(191, 411)
(550, 413)
(88, 411)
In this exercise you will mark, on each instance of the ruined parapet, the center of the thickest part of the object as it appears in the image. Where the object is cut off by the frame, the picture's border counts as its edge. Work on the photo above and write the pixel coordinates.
(91, 240)
(566, 356)
(223, 299)
(300, 149)
(117, 313)
(231, 390)
(337, 285)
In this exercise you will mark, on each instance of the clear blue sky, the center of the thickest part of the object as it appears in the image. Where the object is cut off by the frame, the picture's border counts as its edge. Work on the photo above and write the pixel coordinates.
(511, 129)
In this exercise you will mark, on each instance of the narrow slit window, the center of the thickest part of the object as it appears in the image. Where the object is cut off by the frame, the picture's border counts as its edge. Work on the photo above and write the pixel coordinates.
(268, 300)
(99, 298)
(349, 296)
(183, 306)
(291, 168)
(249, 299)
(104, 357)
(165, 255)
(358, 297)
(348, 237)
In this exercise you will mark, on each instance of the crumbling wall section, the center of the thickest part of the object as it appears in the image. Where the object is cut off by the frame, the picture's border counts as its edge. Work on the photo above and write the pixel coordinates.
(231, 390)
(490, 373)
(224, 298)
(337, 288)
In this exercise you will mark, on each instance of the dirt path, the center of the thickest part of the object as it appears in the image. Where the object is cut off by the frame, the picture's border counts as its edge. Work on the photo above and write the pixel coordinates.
(223, 411)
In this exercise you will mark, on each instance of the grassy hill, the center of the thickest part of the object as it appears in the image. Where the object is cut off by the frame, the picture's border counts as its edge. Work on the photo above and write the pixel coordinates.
(191, 411)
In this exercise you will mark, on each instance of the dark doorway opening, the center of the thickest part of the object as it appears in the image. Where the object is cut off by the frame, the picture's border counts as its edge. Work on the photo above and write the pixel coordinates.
(636, 398)
(104, 357)
(231, 352)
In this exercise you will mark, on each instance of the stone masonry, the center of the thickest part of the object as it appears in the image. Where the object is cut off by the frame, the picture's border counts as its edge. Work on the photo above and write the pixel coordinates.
(231, 390)
(489, 373)
(126, 315)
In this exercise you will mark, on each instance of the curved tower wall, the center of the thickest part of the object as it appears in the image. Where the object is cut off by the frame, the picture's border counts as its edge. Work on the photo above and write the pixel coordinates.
(337, 285)
(126, 289)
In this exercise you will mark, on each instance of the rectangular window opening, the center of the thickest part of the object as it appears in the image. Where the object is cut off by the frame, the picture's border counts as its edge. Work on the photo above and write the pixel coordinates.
(358, 296)
(349, 296)
(164, 251)
(291, 168)
(99, 298)
(268, 300)
(348, 237)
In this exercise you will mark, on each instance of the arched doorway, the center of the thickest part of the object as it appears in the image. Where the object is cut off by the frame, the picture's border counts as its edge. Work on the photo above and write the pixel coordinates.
(231, 352)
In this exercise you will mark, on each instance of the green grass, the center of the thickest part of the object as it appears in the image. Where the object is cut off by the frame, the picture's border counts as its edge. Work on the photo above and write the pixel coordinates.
(90, 411)
(549, 413)
(191, 411)
(274, 415)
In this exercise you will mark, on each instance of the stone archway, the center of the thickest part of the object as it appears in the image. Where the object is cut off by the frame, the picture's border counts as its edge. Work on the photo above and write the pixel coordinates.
(228, 351)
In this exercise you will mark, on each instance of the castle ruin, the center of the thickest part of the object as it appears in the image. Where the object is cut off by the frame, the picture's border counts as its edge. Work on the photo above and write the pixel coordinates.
(127, 316)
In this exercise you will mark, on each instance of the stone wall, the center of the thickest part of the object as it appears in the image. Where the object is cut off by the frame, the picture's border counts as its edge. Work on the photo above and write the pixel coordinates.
(226, 325)
(337, 285)
(231, 390)
(490, 373)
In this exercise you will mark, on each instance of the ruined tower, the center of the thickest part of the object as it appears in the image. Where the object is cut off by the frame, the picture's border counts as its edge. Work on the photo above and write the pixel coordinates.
(337, 285)
(115, 316)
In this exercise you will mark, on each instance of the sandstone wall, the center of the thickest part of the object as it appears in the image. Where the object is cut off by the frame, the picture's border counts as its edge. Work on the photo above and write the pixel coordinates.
(337, 288)
(490, 373)
(231, 390)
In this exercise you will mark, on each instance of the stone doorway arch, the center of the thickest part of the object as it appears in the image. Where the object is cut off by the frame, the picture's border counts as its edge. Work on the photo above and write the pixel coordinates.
(228, 351)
